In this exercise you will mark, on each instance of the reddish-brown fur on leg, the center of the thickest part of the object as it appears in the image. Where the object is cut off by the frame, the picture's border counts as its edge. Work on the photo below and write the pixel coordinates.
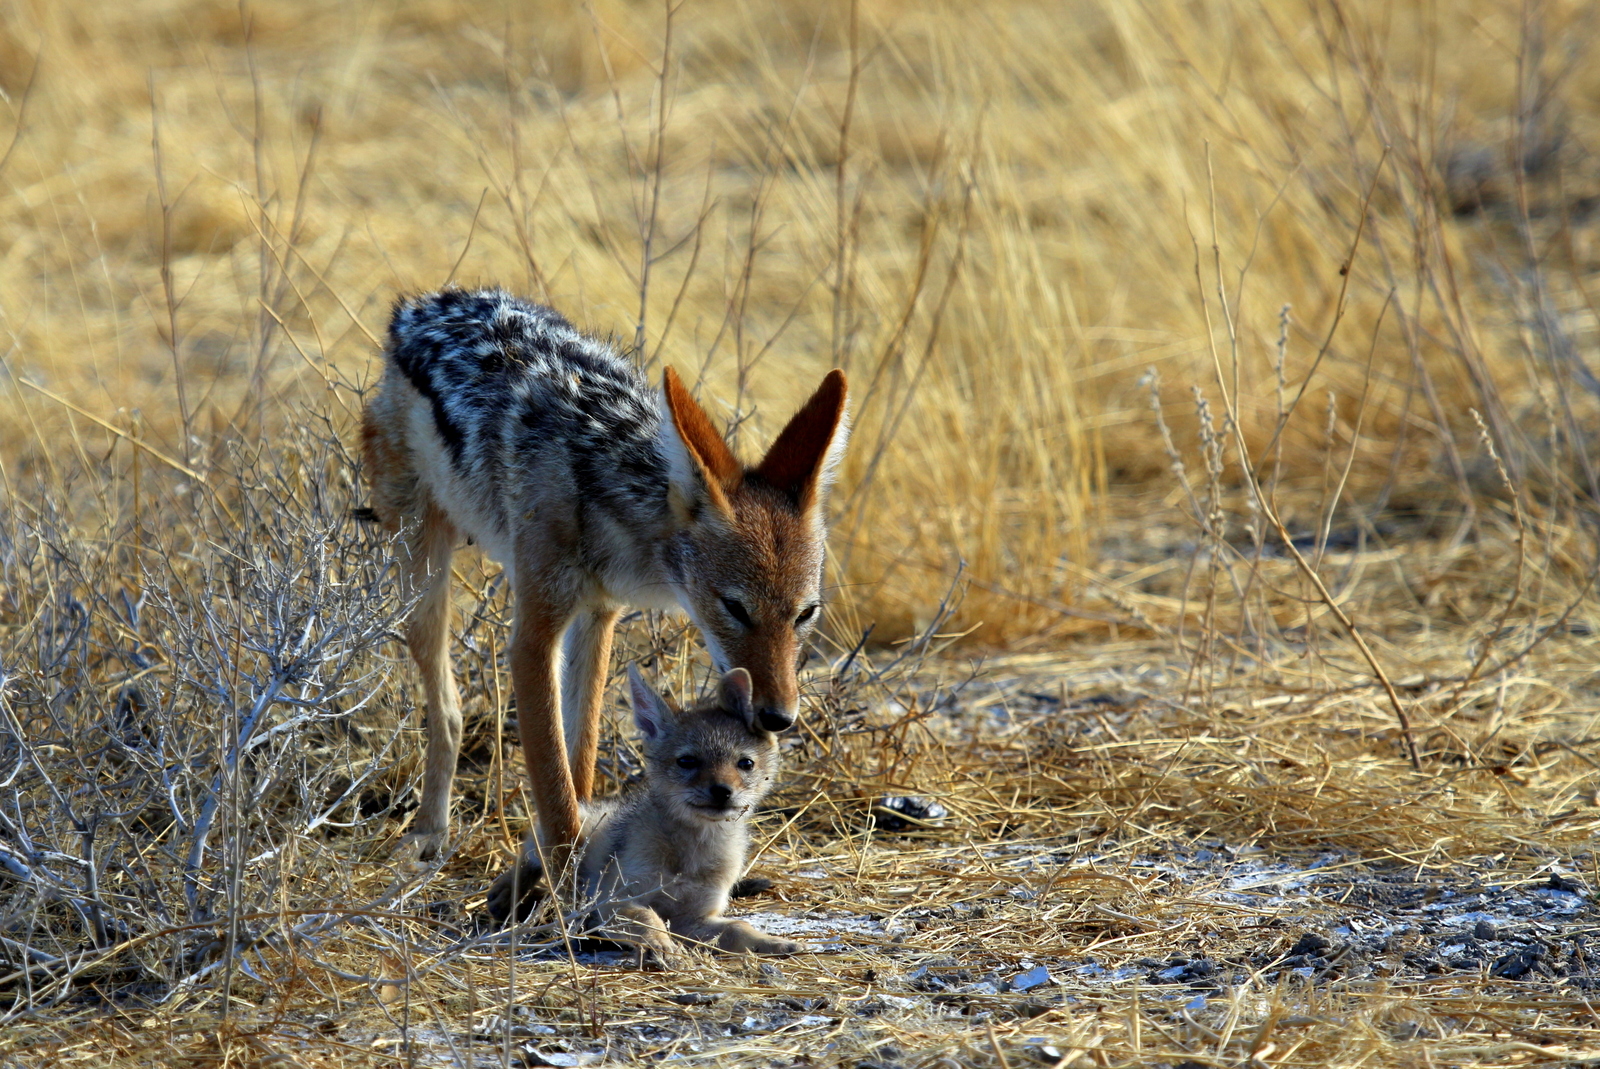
(533, 657)
(425, 576)
(587, 661)
(430, 545)
(387, 472)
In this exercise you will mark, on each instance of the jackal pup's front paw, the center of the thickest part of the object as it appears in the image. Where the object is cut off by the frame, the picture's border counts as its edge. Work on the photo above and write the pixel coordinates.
(741, 938)
(644, 930)
(656, 951)
(774, 946)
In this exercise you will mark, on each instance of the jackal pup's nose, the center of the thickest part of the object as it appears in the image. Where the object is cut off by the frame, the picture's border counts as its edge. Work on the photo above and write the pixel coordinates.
(774, 719)
(720, 793)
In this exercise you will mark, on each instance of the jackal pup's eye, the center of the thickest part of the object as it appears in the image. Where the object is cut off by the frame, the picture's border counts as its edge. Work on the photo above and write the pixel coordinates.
(745, 764)
(688, 760)
(805, 616)
(736, 611)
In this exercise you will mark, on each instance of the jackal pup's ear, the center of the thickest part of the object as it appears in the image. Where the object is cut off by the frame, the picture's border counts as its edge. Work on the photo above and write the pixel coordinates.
(734, 694)
(804, 458)
(702, 469)
(651, 713)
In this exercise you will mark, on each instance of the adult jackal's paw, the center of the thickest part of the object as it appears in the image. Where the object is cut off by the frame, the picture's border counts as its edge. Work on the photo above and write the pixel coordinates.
(517, 891)
(420, 849)
(750, 887)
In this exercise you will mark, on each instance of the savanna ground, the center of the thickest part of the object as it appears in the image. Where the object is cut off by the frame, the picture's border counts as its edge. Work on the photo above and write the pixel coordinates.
(1216, 547)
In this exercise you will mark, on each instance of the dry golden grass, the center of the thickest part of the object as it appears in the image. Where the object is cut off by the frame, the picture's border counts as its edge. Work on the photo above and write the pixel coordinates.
(1328, 571)
(992, 225)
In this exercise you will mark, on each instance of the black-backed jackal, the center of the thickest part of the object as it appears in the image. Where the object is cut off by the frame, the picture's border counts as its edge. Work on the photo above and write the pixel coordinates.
(497, 420)
(657, 861)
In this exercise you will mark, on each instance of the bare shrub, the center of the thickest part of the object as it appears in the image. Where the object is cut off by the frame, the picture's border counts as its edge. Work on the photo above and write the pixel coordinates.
(182, 705)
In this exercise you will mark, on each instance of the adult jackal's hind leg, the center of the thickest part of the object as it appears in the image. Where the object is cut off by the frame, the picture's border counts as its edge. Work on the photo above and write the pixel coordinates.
(429, 545)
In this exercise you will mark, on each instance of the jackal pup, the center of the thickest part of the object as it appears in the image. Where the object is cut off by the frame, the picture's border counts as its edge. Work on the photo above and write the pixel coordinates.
(659, 859)
(497, 420)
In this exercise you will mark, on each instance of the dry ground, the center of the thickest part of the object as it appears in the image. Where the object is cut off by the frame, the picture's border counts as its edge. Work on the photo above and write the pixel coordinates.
(1216, 547)
(1213, 845)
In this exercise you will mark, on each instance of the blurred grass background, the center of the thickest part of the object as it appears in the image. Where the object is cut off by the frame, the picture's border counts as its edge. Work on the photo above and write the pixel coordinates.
(991, 215)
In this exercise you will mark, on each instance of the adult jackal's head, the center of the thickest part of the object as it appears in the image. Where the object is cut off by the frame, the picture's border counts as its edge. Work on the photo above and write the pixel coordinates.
(748, 552)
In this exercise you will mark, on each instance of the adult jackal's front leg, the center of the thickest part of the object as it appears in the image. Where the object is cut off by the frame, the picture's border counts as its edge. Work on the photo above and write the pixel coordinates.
(588, 656)
(534, 659)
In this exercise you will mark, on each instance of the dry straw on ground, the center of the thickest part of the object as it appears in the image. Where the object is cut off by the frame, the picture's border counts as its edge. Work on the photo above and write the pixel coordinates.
(1222, 373)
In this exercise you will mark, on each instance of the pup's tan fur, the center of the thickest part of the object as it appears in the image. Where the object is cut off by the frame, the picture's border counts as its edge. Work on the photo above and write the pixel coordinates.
(659, 859)
(497, 420)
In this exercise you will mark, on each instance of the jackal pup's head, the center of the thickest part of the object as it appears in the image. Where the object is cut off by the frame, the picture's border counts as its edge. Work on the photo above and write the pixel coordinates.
(748, 551)
(704, 762)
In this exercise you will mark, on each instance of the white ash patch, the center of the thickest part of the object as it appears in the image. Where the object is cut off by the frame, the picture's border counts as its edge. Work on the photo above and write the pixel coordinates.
(823, 931)
(431, 1048)
(1329, 919)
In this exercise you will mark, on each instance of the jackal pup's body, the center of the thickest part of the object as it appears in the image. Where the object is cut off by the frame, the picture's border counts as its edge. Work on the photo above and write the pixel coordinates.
(498, 420)
(659, 859)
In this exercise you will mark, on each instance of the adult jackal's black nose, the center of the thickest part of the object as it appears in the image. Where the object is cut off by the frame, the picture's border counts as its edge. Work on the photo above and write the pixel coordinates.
(774, 719)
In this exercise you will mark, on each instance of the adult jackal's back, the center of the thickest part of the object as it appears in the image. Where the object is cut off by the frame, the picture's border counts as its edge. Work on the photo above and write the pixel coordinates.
(497, 420)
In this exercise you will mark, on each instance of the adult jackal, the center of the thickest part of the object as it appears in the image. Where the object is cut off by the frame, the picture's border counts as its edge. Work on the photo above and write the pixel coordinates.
(497, 420)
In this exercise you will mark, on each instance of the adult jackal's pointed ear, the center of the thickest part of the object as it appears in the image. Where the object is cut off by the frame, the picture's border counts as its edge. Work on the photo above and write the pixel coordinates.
(804, 459)
(702, 466)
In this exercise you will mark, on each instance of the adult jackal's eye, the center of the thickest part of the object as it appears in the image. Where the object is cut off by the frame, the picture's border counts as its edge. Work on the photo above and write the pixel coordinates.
(688, 760)
(805, 616)
(736, 611)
